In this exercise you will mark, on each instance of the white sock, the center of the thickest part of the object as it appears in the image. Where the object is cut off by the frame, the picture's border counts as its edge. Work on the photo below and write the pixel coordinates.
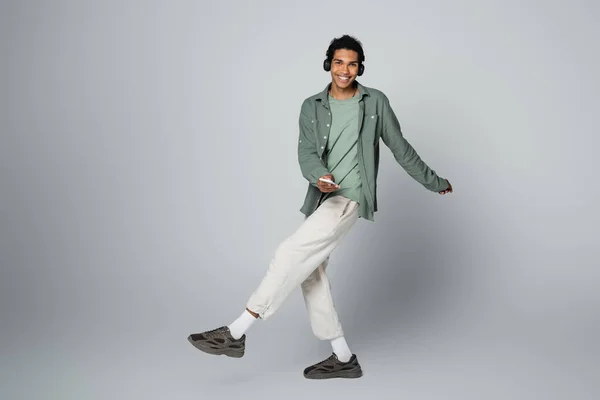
(341, 349)
(241, 325)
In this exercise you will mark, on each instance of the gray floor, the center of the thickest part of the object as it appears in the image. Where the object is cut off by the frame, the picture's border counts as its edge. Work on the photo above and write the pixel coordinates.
(446, 360)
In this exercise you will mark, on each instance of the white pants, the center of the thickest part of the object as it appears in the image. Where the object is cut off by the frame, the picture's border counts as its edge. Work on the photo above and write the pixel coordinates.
(301, 260)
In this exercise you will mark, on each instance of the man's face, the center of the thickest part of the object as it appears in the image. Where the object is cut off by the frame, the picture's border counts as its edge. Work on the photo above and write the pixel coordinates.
(344, 68)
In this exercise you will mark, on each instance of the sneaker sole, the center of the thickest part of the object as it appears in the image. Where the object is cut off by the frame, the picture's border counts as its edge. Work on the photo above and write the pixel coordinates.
(217, 352)
(340, 374)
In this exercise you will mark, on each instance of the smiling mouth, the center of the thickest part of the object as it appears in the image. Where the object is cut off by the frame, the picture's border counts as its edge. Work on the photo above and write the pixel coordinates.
(344, 78)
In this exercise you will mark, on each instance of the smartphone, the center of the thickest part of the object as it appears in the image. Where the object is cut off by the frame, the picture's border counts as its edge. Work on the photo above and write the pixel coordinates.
(328, 181)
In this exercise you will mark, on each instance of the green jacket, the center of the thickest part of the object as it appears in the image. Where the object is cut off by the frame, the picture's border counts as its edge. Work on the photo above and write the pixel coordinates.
(376, 120)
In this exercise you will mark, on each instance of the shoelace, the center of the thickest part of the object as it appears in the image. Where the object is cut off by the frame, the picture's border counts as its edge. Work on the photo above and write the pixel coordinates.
(214, 331)
(330, 358)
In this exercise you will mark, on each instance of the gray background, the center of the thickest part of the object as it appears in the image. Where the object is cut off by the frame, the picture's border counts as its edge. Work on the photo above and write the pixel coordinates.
(148, 171)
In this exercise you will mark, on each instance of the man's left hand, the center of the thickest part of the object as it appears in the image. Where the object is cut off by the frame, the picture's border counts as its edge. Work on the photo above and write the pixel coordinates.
(449, 190)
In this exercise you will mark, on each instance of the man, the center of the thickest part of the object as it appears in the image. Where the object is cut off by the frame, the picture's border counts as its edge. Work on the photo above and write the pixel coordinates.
(338, 153)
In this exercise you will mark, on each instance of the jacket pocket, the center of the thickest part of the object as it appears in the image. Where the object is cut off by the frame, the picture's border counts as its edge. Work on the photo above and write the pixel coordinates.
(370, 131)
(376, 128)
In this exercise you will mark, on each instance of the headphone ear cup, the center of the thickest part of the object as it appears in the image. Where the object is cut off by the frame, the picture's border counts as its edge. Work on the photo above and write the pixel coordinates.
(361, 69)
(327, 65)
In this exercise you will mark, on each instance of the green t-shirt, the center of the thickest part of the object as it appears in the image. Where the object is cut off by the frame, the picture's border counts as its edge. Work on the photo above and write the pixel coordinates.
(342, 159)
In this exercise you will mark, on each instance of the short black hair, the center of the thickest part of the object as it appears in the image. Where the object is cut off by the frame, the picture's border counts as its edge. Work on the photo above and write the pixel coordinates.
(346, 42)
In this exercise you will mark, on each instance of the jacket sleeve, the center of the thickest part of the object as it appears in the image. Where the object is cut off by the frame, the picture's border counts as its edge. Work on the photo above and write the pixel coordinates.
(311, 165)
(406, 155)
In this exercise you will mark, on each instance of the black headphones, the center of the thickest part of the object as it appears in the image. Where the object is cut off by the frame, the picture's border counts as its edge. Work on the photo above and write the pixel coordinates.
(327, 66)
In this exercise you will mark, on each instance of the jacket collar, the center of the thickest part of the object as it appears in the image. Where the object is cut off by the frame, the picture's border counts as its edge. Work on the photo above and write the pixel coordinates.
(323, 97)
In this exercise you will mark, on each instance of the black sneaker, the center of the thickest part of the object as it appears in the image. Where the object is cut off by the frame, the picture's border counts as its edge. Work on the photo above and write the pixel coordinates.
(219, 342)
(334, 368)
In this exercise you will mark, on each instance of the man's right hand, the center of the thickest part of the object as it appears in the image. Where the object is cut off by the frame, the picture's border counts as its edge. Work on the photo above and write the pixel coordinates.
(326, 187)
